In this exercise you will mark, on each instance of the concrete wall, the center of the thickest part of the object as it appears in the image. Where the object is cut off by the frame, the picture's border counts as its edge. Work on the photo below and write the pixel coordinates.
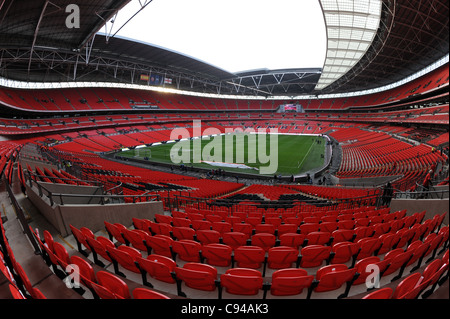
(72, 189)
(431, 206)
(91, 216)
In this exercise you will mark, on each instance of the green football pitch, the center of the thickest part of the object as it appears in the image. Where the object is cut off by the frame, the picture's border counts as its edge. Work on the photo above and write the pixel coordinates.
(289, 154)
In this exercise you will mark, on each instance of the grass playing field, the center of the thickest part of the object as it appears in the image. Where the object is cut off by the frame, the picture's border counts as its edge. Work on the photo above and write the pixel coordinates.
(287, 154)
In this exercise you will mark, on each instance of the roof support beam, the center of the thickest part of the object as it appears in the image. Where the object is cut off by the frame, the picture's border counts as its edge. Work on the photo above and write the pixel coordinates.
(109, 33)
(36, 30)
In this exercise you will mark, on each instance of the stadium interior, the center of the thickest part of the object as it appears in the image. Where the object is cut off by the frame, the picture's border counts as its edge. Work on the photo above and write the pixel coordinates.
(80, 221)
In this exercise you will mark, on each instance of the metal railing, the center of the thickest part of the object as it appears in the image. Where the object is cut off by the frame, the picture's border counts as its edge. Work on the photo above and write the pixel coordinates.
(103, 199)
(176, 202)
(421, 192)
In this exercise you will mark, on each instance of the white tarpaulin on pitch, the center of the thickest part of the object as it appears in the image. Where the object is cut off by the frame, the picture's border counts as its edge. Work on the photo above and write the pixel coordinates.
(229, 165)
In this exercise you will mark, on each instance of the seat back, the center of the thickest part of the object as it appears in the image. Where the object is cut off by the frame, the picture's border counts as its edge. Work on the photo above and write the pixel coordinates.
(197, 276)
(125, 257)
(282, 257)
(99, 248)
(136, 238)
(307, 228)
(79, 236)
(241, 281)
(249, 256)
(158, 267)
(208, 236)
(265, 228)
(383, 293)
(292, 240)
(340, 235)
(221, 227)
(234, 239)
(187, 250)
(103, 292)
(113, 284)
(290, 281)
(314, 255)
(333, 277)
(263, 240)
(245, 228)
(143, 293)
(85, 270)
(161, 245)
(286, 228)
(406, 285)
(318, 238)
(62, 254)
(344, 251)
(368, 247)
(183, 233)
(397, 261)
(114, 231)
(217, 254)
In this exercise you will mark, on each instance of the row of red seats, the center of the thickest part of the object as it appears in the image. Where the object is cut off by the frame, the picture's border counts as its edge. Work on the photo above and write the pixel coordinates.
(417, 283)
(76, 99)
(252, 257)
(102, 284)
(12, 271)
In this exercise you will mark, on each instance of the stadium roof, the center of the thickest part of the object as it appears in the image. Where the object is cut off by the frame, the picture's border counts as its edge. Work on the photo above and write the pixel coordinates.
(37, 45)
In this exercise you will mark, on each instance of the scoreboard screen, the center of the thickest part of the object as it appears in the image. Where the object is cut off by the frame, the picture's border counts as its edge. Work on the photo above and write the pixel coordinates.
(291, 108)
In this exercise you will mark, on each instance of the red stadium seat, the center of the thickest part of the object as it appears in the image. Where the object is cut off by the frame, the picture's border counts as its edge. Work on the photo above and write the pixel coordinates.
(286, 228)
(80, 238)
(368, 247)
(125, 257)
(406, 286)
(217, 254)
(332, 277)
(234, 239)
(196, 276)
(115, 231)
(249, 257)
(85, 271)
(208, 236)
(319, 238)
(289, 282)
(383, 293)
(263, 240)
(142, 293)
(309, 227)
(292, 240)
(419, 250)
(265, 228)
(388, 241)
(398, 259)
(161, 245)
(187, 250)
(282, 257)
(103, 292)
(138, 239)
(98, 247)
(158, 267)
(113, 284)
(367, 266)
(241, 281)
(244, 228)
(180, 233)
(344, 251)
(314, 255)
(221, 227)
(199, 224)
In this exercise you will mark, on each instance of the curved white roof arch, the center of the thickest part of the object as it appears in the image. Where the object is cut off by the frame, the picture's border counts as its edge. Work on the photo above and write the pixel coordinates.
(351, 26)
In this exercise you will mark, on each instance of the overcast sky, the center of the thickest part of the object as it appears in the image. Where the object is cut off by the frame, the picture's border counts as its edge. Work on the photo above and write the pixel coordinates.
(235, 35)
